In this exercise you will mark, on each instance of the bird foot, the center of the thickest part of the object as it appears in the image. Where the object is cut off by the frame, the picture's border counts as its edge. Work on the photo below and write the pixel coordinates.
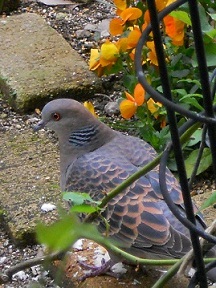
(96, 271)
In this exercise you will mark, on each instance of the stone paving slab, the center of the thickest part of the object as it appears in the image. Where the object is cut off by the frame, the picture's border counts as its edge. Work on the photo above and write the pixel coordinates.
(29, 178)
(37, 64)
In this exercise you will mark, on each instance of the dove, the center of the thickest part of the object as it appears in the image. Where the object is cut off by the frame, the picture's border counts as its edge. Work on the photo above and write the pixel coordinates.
(95, 159)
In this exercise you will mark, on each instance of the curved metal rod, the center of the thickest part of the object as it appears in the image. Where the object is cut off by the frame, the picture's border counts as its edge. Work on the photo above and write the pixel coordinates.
(169, 201)
(194, 279)
(194, 116)
(142, 79)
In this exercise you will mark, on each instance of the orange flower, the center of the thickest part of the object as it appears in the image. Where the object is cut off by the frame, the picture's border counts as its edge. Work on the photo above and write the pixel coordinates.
(130, 14)
(132, 54)
(161, 4)
(129, 106)
(120, 4)
(152, 54)
(116, 26)
(174, 29)
(122, 44)
(146, 20)
(133, 38)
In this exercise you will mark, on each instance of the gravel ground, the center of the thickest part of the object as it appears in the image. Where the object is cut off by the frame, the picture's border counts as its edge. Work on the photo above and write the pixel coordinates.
(71, 22)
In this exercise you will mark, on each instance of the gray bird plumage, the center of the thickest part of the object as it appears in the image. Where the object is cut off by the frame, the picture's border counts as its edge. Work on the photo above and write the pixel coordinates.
(95, 159)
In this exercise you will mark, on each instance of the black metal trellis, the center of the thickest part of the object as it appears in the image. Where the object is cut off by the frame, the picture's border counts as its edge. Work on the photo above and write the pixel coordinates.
(206, 117)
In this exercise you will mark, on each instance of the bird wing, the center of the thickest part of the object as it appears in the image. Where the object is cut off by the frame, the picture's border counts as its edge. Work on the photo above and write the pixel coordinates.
(138, 217)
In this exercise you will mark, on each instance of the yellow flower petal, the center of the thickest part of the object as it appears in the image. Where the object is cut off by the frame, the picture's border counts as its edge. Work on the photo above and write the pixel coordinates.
(139, 94)
(109, 51)
(153, 107)
(127, 108)
(94, 59)
(88, 105)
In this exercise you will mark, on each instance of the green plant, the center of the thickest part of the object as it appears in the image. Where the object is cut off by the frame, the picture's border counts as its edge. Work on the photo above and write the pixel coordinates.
(116, 55)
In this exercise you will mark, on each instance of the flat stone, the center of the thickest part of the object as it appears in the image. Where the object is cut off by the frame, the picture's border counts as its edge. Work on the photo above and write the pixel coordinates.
(55, 2)
(29, 177)
(37, 64)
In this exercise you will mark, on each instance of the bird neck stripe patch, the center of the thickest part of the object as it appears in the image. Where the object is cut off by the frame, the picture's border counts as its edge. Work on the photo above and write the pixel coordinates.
(83, 136)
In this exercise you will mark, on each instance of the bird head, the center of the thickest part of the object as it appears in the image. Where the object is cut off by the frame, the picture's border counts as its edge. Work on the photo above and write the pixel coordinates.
(66, 114)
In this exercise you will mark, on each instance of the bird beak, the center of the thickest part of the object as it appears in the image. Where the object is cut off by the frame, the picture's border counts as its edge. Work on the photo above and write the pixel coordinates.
(41, 124)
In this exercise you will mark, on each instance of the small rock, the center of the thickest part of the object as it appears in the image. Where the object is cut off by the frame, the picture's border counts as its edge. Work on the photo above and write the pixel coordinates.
(20, 275)
(32, 120)
(105, 34)
(61, 16)
(18, 126)
(2, 259)
(119, 268)
(82, 34)
(111, 108)
(90, 27)
(35, 270)
(3, 116)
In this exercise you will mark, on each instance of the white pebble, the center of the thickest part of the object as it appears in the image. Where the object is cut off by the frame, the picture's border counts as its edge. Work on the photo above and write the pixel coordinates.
(21, 275)
(119, 268)
(47, 207)
(2, 259)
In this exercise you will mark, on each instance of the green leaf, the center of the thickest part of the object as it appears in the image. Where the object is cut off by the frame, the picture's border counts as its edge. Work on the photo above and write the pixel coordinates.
(129, 82)
(211, 54)
(63, 233)
(213, 16)
(180, 92)
(195, 138)
(59, 235)
(180, 73)
(204, 20)
(190, 99)
(84, 208)
(77, 198)
(188, 80)
(211, 34)
(209, 201)
(181, 15)
(205, 162)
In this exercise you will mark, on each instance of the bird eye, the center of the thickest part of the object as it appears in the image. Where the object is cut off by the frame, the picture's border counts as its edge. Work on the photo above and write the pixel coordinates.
(56, 116)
